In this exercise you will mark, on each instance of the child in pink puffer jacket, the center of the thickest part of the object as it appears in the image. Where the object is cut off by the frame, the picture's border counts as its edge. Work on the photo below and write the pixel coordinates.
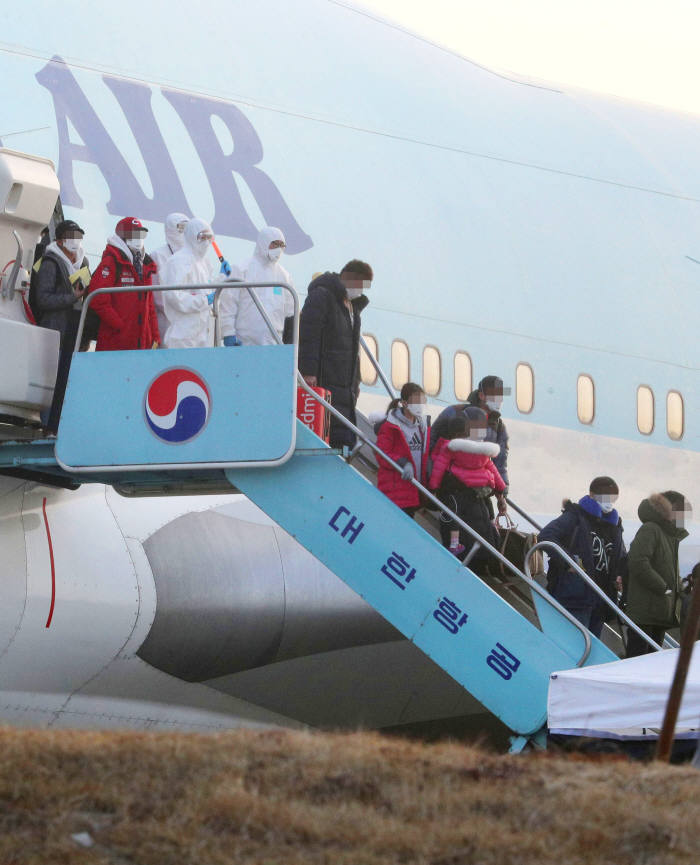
(464, 477)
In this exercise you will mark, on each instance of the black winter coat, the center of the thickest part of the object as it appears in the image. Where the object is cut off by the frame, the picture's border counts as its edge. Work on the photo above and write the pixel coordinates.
(329, 346)
(572, 531)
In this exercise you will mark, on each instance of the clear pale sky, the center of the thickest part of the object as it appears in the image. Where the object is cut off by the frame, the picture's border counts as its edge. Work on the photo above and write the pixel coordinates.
(648, 50)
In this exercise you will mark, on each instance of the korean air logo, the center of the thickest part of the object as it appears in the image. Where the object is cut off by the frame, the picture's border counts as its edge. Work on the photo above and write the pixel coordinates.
(177, 405)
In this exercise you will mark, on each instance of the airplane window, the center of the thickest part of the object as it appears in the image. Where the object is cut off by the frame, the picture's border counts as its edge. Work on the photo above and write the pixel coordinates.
(524, 387)
(463, 375)
(367, 372)
(432, 372)
(674, 415)
(585, 393)
(400, 363)
(645, 410)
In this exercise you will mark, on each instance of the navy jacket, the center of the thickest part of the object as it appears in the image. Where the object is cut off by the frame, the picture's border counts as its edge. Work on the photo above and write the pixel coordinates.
(572, 531)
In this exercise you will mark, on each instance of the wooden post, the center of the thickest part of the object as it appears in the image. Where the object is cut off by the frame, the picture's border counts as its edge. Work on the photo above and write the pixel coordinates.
(685, 653)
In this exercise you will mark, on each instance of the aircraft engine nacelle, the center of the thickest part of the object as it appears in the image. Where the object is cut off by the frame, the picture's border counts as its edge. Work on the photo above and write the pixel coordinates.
(129, 603)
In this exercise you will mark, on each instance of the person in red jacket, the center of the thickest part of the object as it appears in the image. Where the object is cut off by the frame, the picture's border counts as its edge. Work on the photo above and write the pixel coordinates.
(128, 319)
(464, 476)
(402, 436)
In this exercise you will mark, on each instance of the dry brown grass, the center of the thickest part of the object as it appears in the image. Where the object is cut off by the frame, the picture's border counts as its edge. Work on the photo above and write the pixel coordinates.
(288, 797)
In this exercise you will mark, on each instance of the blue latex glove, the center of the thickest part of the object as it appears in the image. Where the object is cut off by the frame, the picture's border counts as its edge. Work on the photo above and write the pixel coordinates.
(225, 268)
(232, 340)
(210, 297)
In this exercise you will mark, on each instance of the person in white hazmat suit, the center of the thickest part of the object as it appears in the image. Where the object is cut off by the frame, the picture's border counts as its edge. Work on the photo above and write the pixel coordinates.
(241, 322)
(175, 237)
(187, 310)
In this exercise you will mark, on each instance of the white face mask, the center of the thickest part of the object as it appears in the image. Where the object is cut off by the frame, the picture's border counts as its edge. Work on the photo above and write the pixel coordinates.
(477, 434)
(135, 244)
(606, 502)
(494, 403)
(274, 254)
(354, 293)
(417, 409)
(72, 244)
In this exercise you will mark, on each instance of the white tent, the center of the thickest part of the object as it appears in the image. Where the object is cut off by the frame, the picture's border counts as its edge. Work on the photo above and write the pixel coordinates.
(623, 699)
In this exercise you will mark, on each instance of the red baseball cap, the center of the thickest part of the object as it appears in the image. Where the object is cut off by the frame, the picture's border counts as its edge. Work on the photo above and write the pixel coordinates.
(129, 224)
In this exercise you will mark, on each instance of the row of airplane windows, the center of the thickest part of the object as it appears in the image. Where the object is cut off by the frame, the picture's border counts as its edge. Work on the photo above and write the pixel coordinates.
(524, 386)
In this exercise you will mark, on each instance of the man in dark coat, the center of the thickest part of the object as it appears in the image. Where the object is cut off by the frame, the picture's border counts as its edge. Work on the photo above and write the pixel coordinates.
(57, 300)
(654, 586)
(591, 533)
(329, 340)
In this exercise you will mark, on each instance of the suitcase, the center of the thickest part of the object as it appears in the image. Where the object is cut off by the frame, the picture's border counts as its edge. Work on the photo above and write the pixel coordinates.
(311, 413)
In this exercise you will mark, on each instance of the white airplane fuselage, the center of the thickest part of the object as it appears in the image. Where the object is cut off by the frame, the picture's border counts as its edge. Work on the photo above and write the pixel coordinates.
(513, 223)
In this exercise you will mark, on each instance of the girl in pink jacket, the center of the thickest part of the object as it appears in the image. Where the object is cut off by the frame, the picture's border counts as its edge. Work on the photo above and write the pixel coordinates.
(464, 477)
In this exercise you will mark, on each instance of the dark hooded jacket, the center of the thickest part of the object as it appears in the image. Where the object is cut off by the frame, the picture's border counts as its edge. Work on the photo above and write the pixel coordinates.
(55, 299)
(329, 344)
(653, 566)
(572, 532)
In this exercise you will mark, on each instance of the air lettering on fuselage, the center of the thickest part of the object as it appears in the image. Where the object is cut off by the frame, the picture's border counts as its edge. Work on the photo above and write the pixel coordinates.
(127, 196)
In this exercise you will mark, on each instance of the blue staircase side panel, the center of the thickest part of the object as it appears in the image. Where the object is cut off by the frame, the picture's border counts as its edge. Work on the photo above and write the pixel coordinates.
(417, 585)
(562, 632)
(191, 406)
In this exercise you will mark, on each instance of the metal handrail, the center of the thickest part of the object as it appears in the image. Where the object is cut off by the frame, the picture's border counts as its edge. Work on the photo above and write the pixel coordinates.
(534, 586)
(540, 545)
(205, 286)
(8, 288)
(524, 514)
(250, 287)
(377, 368)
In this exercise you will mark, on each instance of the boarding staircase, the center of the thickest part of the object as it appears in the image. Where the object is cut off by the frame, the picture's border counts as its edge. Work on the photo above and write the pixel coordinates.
(194, 420)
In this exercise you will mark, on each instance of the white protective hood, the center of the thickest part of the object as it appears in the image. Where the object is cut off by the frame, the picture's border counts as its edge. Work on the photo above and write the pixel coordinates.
(239, 315)
(187, 311)
(623, 699)
(174, 241)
